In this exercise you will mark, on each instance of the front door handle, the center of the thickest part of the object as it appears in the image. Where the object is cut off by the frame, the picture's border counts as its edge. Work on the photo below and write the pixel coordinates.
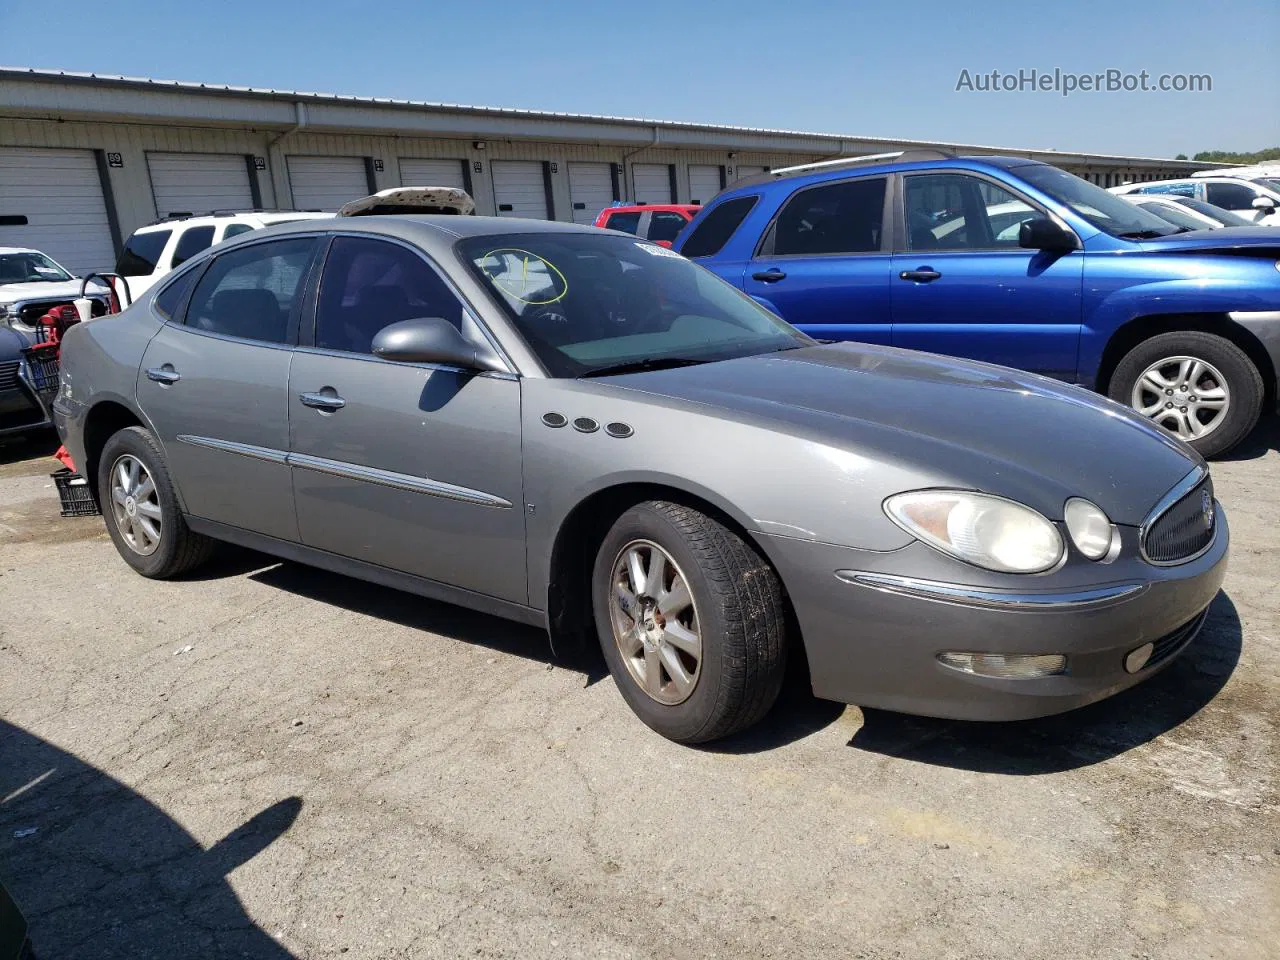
(923, 275)
(326, 400)
(165, 376)
(772, 275)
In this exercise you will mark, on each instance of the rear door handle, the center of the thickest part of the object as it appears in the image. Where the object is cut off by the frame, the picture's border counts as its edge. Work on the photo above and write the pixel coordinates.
(923, 275)
(166, 375)
(322, 401)
(772, 275)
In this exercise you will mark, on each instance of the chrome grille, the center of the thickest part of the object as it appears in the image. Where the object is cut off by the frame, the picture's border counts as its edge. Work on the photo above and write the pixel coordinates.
(1184, 530)
(8, 374)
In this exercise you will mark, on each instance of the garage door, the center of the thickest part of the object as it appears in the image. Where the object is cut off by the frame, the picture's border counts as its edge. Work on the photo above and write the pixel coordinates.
(519, 189)
(326, 183)
(590, 190)
(60, 195)
(652, 182)
(193, 183)
(746, 170)
(704, 182)
(432, 173)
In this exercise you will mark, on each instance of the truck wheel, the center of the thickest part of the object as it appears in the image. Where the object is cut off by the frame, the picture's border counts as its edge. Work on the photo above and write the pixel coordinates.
(691, 620)
(1199, 387)
(141, 510)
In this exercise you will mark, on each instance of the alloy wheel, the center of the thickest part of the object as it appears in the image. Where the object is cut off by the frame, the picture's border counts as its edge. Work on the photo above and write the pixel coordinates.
(1187, 396)
(135, 505)
(655, 622)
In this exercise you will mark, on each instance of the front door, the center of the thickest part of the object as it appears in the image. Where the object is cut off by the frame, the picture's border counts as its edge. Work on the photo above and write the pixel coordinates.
(823, 265)
(962, 286)
(215, 385)
(413, 467)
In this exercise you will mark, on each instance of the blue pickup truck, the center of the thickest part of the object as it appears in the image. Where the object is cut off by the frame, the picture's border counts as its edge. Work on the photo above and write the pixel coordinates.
(1014, 262)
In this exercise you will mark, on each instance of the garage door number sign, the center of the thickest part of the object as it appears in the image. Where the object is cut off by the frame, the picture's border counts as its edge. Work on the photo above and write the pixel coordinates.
(115, 160)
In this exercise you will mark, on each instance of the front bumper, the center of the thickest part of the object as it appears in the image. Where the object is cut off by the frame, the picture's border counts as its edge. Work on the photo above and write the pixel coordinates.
(22, 406)
(874, 623)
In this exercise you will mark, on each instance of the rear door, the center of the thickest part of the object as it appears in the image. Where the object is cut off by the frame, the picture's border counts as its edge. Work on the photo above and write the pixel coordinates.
(962, 286)
(415, 467)
(823, 263)
(215, 384)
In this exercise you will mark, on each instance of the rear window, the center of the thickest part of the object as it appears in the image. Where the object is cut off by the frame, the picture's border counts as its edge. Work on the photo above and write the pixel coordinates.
(665, 226)
(710, 236)
(628, 222)
(142, 253)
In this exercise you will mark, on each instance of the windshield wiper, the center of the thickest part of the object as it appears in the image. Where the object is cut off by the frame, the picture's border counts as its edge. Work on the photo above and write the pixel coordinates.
(639, 366)
(1151, 234)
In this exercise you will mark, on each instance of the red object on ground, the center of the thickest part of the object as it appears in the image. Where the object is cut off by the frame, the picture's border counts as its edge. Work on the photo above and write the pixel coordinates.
(65, 459)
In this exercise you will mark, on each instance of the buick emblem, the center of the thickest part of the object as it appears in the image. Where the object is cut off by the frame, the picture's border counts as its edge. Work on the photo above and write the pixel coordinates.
(1206, 509)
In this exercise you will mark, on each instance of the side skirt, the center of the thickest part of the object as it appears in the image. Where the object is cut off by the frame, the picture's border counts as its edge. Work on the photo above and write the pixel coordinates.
(383, 576)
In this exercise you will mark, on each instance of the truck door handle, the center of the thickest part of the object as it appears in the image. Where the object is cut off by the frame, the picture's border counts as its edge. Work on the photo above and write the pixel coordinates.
(772, 275)
(165, 376)
(327, 402)
(923, 275)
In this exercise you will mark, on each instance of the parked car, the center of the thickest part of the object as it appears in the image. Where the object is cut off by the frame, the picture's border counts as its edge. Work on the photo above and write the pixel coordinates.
(31, 283)
(154, 250)
(14, 942)
(1254, 200)
(582, 430)
(1187, 212)
(659, 222)
(1013, 262)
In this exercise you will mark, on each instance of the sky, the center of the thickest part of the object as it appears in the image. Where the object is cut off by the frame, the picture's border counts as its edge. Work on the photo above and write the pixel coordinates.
(854, 68)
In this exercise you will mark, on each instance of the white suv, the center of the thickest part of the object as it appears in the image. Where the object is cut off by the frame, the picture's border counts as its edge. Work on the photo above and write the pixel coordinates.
(156, 249)
(1253, 201)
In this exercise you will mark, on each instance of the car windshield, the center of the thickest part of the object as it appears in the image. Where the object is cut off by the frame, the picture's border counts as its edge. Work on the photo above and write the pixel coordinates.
(1224, 217)
(29, 267)
(592, 303)
(1272, 183)
(1106, 211)
(1171, 213)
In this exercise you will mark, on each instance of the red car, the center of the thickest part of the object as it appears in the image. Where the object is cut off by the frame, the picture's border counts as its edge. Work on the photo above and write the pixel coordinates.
(659, 222)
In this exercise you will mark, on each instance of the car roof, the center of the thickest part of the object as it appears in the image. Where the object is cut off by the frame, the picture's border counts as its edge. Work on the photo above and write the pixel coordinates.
(264, 216)
(18, 250)
(910, 160)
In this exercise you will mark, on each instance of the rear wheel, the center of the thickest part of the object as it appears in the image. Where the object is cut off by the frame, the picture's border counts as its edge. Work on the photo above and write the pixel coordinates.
(691, 620)
(141, 508)
(1198, 386)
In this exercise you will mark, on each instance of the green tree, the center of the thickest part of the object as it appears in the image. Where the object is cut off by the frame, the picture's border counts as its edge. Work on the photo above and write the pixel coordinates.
(1230, 156)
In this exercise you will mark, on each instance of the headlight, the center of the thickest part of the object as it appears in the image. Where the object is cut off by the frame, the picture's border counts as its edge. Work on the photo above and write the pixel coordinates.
(1090, 528)
(987, 531)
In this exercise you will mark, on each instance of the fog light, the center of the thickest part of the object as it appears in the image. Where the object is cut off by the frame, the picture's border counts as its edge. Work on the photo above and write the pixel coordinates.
(1020, 666)
(1135, 660)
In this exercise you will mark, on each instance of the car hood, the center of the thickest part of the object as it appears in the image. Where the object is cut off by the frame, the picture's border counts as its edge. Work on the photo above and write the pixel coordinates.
(44, 290)
(962, 423)
(12, 343)
(1259, 240)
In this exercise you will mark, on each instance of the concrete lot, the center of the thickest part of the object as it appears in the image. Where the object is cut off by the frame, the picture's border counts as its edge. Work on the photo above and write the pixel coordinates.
(336, 769)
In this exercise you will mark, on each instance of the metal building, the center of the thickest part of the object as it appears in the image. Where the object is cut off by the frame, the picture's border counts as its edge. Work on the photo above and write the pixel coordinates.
(84, 159)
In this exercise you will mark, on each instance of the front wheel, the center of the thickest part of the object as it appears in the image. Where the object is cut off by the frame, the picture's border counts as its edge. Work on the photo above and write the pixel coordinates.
(691, 620)
(1199, 387)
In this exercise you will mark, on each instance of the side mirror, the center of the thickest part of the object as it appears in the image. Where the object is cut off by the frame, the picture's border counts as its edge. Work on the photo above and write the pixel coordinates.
(432, 340)
(1041, 233)
(1265, 204)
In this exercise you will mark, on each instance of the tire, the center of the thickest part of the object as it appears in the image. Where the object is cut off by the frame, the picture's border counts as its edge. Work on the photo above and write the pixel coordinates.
(176, 549)
(736, 610)
(1166, 354)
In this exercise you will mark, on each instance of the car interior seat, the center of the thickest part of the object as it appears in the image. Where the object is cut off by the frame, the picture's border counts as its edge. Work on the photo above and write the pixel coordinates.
(254, 314)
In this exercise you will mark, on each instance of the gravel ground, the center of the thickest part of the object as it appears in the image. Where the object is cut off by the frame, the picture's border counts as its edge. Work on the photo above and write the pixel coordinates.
(270, 761)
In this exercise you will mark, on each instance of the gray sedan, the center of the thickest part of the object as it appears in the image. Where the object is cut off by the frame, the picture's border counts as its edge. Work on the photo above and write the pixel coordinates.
(581, 430)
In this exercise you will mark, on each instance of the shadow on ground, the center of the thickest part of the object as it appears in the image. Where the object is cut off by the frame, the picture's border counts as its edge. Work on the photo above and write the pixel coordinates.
(1264, 438)
(1078, 738)
(106, 873)
(29, 446)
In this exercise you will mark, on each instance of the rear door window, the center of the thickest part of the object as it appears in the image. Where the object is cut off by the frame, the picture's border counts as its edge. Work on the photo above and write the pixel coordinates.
(834, 218)
(710, 236)
(235, 229)
(142, 253)
(250, 292)
(192, 241)
(664, 225)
